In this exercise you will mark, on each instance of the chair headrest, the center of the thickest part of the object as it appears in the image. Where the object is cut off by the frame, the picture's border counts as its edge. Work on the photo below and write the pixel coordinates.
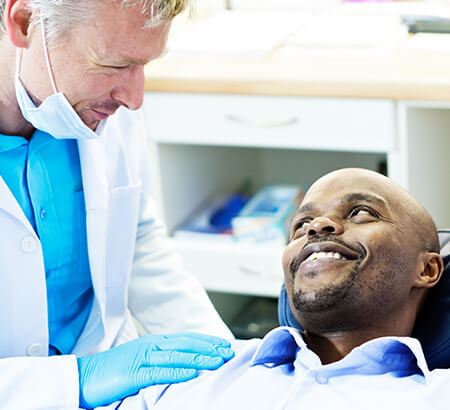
(432, 325)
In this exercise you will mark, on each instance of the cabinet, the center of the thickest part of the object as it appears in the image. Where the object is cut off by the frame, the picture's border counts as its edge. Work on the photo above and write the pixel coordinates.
(202, 144)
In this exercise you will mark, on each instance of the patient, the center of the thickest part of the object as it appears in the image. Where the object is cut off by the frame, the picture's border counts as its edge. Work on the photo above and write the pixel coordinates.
(362, 255)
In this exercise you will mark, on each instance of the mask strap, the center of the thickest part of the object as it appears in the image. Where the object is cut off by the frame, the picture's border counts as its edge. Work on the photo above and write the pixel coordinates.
(18, 60)
(47, 59)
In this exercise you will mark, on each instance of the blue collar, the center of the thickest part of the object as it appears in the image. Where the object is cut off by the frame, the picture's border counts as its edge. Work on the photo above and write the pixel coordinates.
(10, 142)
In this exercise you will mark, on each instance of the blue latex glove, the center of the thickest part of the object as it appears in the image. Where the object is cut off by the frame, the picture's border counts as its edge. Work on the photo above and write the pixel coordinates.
(152, 359)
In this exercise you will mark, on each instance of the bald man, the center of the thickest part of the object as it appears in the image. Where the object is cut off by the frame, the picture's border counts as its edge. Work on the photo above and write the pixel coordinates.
(362, 255)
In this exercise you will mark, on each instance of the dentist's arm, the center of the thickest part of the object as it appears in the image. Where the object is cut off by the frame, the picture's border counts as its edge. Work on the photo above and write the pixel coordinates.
(152, 359)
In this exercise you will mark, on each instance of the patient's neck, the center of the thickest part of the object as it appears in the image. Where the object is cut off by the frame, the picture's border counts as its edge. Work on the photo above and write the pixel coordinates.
(334, 334)
(333, 346)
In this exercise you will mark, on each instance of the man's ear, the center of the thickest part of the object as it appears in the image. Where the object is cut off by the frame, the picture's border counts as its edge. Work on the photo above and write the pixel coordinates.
(431, 270)
(17, 17)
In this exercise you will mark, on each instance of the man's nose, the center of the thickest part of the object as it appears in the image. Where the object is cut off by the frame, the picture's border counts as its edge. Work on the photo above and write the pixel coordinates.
(130, 91)
(324, 226)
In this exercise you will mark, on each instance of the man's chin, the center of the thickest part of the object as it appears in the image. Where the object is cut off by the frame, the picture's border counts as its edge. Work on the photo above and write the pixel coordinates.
(89, 122)
(320, 300)
(93, 125)
(322, 295)
(91, 119)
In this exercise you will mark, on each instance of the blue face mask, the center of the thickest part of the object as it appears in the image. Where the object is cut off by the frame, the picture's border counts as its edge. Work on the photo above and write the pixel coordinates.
(54, 115)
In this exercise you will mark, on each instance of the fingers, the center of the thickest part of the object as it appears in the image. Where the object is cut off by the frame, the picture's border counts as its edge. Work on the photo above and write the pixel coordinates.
(177, 359)
(188, 344)
(153, 359)
(147, 376)
(213, 340)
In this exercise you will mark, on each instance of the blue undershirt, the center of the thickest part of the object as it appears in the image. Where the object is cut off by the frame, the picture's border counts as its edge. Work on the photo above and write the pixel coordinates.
(44, 176)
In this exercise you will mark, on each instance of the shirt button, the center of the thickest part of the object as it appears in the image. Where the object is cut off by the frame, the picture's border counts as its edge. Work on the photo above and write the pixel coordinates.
(28, 244)
(35, 349)
(43, 214)
(321, 379)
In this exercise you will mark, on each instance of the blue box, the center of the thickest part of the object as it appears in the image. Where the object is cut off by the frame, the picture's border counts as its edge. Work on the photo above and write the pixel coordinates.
(266, 217)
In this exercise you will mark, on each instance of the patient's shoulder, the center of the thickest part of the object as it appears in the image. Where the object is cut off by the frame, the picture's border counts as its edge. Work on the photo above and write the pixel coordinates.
(440, 374)
(244, 349)
(208, 381)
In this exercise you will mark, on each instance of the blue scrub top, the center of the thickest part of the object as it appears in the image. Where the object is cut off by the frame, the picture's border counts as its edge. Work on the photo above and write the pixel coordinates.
(44, 175)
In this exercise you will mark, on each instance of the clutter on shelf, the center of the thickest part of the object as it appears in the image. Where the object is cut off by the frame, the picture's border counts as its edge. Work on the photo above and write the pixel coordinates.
(261, 218)
(265, 218)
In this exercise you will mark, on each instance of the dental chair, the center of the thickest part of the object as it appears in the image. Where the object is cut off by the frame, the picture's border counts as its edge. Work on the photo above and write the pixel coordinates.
(432, 325)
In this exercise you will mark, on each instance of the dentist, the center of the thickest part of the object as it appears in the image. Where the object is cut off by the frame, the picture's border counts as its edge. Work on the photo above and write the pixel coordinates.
(81, 248)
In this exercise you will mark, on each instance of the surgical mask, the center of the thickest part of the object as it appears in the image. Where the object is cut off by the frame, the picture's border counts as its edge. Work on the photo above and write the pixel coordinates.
(54, 115)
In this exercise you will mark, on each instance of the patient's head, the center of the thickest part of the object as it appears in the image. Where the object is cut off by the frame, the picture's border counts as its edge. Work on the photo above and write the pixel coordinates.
(363, 253)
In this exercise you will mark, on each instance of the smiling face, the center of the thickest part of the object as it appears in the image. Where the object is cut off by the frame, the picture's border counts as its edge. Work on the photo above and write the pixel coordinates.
(354, 253)
(99, 66)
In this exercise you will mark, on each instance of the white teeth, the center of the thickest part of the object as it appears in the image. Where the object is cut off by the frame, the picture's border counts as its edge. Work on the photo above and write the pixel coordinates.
(321, 255)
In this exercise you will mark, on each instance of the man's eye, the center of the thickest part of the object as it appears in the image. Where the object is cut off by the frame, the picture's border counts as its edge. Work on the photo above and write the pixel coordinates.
(114, 67)
(299, 228)
(118, 67)
(362, 211)
(302, 224)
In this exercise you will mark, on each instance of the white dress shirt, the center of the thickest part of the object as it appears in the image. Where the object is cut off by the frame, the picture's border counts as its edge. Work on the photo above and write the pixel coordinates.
(281, 372)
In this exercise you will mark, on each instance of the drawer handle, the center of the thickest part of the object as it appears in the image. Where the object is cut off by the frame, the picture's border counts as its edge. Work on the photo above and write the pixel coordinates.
(262, 124)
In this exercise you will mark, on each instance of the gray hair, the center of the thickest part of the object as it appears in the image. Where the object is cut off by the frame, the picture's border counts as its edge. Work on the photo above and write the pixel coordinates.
(62, 15)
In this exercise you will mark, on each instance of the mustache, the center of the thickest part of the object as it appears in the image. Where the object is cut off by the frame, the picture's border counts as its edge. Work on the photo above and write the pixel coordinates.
(295, 263)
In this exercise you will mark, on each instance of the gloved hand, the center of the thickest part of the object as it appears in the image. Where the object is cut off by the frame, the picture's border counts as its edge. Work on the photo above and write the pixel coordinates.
(152, 359)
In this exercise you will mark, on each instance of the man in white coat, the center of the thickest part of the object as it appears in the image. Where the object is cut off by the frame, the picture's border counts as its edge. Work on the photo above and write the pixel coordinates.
(81, 249)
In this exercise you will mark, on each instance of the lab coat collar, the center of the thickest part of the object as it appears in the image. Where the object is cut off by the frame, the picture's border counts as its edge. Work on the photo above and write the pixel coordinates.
(10, 205)
(95, 185)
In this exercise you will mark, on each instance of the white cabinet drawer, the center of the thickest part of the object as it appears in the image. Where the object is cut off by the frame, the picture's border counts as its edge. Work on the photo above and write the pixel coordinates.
(281, 122)
(234, 268)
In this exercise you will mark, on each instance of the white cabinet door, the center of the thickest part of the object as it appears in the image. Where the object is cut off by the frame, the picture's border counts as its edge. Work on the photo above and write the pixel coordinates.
(279, 122)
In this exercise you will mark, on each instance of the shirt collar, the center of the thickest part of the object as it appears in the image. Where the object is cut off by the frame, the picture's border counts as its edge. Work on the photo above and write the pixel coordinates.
(385, 354)
(397, 353)
(279, 346)
(37, 141)
(10, 142)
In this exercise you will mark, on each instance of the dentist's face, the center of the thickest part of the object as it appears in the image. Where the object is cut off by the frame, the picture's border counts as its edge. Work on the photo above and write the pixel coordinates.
(99, 66)
(352, 253)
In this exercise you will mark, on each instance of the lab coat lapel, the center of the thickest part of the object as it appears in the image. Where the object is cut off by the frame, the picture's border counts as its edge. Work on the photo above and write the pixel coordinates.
(95, 185)
(10, 205)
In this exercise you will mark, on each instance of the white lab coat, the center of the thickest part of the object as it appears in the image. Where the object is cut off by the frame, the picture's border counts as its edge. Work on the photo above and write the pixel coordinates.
(132, 264)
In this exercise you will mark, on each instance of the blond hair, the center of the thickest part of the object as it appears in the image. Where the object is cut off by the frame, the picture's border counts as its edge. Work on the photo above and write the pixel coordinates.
(60, 16)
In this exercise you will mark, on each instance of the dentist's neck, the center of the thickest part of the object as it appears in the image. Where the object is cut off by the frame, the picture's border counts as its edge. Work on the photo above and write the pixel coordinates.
(12, 121)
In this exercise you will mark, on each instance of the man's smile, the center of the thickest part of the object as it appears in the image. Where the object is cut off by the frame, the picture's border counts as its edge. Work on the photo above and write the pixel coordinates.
(329, 252)
(315, 256)
(100, 115)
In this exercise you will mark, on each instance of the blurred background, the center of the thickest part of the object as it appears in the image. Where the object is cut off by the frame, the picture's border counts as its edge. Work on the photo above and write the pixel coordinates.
(256, 99)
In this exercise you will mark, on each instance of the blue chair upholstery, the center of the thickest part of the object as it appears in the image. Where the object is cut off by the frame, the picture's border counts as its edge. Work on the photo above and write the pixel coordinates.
(432, 325)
